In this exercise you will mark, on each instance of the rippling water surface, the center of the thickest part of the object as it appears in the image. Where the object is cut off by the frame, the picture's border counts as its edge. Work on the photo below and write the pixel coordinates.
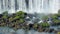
(6, 30)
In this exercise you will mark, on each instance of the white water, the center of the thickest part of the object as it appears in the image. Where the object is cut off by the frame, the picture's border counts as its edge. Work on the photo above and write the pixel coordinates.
(30, 6)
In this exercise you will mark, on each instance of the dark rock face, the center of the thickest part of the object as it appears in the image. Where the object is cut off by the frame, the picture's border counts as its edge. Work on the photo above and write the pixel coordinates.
(51, 30)
(59, 18)
(1, 15)
(30, 26)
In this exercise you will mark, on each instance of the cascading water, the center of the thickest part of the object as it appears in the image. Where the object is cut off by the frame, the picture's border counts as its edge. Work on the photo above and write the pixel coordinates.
(30, 6)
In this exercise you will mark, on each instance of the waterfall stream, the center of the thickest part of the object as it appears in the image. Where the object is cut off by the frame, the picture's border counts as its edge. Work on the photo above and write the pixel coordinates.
(30, 6)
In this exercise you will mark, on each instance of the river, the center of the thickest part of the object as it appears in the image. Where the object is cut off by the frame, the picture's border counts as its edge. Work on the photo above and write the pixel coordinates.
(6, 30)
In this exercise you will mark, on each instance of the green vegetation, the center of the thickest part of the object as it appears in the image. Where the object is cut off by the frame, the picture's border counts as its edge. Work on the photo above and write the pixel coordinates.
(20, 14)
(21, 20)
(35, 26)
(56, 18)
(17, 21)
(45, 17)
(13, 21)
(5, 15)
(45, 24)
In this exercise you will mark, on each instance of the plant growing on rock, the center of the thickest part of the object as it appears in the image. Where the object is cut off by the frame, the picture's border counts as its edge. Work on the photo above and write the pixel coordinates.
(45, 24)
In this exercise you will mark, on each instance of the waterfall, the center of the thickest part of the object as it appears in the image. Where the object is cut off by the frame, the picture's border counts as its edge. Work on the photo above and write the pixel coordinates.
(30, 6)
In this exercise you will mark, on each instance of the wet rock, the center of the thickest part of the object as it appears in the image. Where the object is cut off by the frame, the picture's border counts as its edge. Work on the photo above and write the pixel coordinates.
(51, 30)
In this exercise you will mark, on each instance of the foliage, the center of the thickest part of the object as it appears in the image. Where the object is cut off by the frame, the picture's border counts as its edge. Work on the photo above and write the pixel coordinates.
(58, 32)
(56, 21)
(21, 20)
(10, 19)
(55, 18)
(17, 17)
(45, 24)
(5, 14)
(17, 20)
(4, 17)
(20, 13)
(45, 17)
(35, 26)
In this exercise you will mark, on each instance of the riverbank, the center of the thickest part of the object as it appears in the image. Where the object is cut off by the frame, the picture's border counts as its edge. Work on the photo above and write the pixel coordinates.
(18, 20)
